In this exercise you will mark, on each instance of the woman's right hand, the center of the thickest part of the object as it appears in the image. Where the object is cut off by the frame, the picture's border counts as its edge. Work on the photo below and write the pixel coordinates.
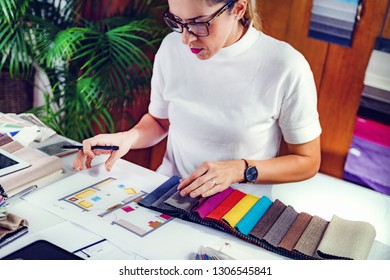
(121, 139)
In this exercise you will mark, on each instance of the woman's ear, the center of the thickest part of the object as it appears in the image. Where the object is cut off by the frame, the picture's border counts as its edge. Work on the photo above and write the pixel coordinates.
(239, 9)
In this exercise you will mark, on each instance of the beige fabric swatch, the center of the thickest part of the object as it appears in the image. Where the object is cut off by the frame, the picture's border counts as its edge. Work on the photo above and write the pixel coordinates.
(311, 237)
(41, 165)
(10, 223)
(346, 239)
(12, 147)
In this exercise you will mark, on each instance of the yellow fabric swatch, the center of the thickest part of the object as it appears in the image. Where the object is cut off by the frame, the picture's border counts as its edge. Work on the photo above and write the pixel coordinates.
(240, 209)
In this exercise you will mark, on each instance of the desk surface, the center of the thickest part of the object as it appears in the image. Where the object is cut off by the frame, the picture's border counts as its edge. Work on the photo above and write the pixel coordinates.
(321, 195)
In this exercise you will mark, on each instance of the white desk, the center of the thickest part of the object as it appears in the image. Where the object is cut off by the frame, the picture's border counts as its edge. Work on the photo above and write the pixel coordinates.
(321, 195)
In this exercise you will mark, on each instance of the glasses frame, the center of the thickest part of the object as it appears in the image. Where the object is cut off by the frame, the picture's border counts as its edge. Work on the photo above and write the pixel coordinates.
(203, 23)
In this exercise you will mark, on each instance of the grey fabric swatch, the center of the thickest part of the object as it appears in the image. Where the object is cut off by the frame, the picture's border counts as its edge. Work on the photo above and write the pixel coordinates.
(185, 203)
(281, 226)
(268, 219)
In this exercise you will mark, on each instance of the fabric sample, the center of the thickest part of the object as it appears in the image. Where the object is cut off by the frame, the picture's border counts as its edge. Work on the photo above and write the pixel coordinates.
(11, 227)
(281, 226)
(296, 230)
(372, 131)
(165, 196)
(12, 147)
(268, 220)
(366, 158)
(226, 205)
(300, 241)
(5, 139)
(311, 237)
(332, 22)
(41, 166)
(344, 15)
(347, 34)
(246, 224)
(185, 203)
(212, 202)
(345, 239)
(159, 192)
(240, 210)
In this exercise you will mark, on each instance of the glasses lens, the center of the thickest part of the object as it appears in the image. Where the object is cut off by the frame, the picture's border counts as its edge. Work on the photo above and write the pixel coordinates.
(173, 25)
(200, 29)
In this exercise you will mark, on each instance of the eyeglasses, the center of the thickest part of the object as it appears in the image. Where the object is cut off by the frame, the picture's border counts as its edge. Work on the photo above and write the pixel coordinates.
(199, 29)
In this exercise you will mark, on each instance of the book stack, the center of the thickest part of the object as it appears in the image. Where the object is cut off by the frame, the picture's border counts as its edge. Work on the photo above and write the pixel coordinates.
(334, 20)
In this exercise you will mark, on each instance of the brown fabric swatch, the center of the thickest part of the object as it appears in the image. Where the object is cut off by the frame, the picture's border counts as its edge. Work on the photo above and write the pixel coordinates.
(345, 239)
(311, 237)
(281, 226)
(295, 232)
(12, 147)
(268, 219)
(5, 139)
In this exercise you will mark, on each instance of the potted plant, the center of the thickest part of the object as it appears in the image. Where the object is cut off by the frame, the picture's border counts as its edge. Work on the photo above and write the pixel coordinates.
(94, 66)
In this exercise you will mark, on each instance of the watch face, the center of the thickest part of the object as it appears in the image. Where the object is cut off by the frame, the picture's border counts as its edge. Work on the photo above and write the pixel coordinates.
(251, 174)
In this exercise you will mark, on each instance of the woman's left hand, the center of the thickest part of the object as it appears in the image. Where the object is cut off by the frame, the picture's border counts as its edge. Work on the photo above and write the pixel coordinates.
(212, 177)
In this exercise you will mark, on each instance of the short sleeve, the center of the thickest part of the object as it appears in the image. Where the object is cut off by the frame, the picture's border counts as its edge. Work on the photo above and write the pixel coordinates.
(299, 119)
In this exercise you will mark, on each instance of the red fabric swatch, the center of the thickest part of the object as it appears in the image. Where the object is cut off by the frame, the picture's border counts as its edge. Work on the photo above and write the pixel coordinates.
(226, 205)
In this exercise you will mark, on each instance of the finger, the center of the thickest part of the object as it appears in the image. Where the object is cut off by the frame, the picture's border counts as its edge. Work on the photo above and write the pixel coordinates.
(88, 162)
(87, 149)
(216, 189)
(200, 171)
(111, 160)
(198, 186)
(201, 190)
(78, 163)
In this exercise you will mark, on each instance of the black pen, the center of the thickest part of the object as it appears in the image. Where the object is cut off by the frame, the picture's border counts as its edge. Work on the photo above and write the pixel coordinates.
(80, 147)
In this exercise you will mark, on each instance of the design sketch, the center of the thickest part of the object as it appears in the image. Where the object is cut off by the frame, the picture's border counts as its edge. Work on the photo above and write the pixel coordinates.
(117, 203)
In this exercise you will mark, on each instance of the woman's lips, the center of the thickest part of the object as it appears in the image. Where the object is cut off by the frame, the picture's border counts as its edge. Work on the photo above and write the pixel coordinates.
(195, 50)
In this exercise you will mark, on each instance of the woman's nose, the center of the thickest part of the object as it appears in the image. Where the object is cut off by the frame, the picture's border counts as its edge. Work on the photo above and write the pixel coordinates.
(187, 37)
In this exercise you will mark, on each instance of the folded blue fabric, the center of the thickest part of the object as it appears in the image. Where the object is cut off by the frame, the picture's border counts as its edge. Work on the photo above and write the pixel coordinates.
(246, 224)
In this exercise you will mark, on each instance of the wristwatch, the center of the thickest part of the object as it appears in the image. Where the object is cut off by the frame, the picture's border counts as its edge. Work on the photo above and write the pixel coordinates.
(250, 173)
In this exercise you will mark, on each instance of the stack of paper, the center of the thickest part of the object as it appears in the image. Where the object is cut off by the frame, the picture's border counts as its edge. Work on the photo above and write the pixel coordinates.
(334, 20)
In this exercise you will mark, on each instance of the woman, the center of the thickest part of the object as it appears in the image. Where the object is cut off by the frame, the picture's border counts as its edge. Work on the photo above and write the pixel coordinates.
(225, 94)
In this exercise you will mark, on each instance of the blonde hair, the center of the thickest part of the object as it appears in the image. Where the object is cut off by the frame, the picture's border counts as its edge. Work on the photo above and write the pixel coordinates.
(251, 14)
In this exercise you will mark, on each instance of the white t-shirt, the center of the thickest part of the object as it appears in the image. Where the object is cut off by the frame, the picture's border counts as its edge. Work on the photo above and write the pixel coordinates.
(235, 105)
